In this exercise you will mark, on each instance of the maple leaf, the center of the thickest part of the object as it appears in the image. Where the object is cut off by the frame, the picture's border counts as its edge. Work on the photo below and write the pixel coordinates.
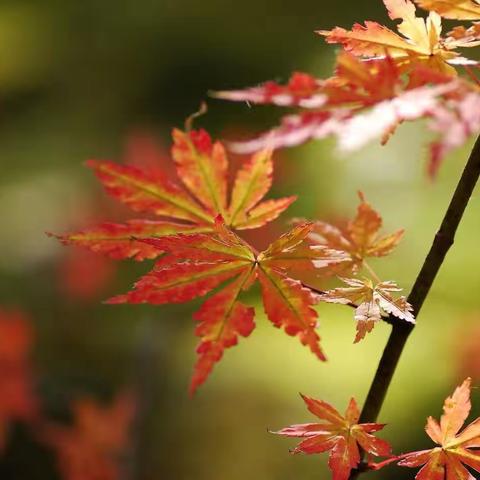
(456, 449)
(197, 264)
(453, 9)
(295, 130)
(342, 435)
(383, 118)
(419, 40)
(17, 399)
(91, 447)
(202, 167)
(84, 275)
(355, 83)
(381, 80)
(359, 239)
(455, 121)
(370, 301)
(461, 36)
(302, 90)
(365, 100)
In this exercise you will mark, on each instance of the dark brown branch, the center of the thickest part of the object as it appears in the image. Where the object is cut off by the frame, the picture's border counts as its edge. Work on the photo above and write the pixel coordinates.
(401, 330)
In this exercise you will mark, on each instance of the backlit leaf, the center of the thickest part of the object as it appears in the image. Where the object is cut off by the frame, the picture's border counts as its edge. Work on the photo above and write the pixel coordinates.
(454, 9)
(456, 449)
(202, 166)
(198, 264)
(370, 300)
(359, 239)
(342, 435)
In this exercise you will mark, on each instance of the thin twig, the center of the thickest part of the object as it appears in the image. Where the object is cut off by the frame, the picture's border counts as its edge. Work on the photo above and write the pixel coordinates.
(401, 330)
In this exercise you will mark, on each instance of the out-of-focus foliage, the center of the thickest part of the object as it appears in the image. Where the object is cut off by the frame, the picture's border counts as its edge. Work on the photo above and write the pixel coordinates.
(76, 79)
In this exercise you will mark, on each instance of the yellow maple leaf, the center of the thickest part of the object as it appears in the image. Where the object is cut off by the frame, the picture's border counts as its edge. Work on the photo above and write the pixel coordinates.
(418, 40)
(453, 9)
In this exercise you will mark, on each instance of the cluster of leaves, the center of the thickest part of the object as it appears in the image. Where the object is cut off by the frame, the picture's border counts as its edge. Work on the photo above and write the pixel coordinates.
(382, 78)
(198, 251)
(343, 436)
(87, 450)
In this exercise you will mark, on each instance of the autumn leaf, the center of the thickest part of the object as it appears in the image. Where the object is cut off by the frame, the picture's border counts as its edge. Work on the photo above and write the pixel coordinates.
(453, 9)
(83, 276)
(360, 238)
(418, 41)
(342, 435)
(295, 130)
(17, 397)
(202, 167)
(383, 118)
(382, 79)
(355, 83)
(461, 36)
(455, 122)
(370, 301)
(197, 264)
(302, 90)
(456, 449)
(90, 449)
(368, 100)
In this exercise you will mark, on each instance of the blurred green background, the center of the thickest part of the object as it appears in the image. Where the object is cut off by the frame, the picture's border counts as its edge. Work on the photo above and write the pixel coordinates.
(76, 79)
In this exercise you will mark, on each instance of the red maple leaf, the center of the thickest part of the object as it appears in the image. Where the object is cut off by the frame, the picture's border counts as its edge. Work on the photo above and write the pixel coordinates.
(17, 398)
(83, 275)
(342, 435)
(196, 264)
(202, 167)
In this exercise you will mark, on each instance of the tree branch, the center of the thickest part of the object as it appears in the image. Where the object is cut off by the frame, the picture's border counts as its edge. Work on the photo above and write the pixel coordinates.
(401, 330)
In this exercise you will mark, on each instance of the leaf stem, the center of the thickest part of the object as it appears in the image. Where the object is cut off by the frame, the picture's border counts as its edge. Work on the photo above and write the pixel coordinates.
(371, 271)
(442, 242)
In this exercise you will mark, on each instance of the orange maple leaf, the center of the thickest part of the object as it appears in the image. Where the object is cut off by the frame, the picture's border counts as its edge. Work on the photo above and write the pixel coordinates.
(202, 166)
(196, 264)
(359, 239)
(342, 435)
(455, 450)
(91, 447)
(453, 9)
(418, 41)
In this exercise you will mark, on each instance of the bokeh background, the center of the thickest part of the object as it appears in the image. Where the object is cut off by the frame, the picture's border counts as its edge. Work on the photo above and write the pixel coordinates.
(109, 79)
